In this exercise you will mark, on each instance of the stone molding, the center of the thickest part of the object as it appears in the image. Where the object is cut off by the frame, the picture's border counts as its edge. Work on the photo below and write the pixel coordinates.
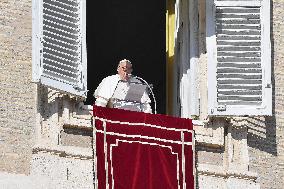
(65, 151)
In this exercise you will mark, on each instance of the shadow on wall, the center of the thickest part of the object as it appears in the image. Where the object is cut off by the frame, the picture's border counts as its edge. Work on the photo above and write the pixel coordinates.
(262, 134)
(262, 130)
(48, 102)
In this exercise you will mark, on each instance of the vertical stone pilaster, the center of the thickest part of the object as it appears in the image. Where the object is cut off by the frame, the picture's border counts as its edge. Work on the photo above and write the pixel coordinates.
(237, 157)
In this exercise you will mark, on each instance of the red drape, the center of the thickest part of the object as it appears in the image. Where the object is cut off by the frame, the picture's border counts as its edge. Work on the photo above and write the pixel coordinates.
(142, 151)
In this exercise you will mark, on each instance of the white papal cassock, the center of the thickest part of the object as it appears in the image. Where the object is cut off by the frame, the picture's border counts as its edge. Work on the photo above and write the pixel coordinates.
(105, 90)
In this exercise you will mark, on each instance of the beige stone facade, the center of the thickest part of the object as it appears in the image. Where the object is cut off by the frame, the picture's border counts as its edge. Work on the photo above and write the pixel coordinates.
(47, 135)
(266, 134)
(18, 103)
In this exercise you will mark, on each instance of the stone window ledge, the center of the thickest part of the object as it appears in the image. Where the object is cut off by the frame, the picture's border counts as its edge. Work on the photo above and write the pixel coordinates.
(219, 171)
(65, 151)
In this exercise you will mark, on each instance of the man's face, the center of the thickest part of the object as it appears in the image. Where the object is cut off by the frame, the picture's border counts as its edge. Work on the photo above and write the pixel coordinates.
(123, 70)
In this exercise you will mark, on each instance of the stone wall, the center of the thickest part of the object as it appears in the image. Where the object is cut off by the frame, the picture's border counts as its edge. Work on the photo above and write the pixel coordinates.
(266, 134)
(17, 93)
(18, 108)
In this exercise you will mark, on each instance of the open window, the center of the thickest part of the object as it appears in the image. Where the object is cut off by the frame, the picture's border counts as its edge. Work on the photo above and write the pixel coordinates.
(239, 57)
(238, 49)
(59, 45)
(186, 96)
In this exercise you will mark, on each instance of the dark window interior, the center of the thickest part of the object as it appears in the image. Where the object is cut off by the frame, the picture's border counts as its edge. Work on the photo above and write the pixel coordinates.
(129, 29)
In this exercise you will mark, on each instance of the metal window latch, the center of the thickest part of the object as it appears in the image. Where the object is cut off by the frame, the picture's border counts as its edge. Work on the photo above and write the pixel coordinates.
(268, 85)
(221, 108)
(76, 87)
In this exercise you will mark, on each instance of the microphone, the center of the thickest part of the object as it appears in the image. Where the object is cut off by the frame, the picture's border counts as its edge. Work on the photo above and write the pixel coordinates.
(150, 88)
(130, 75)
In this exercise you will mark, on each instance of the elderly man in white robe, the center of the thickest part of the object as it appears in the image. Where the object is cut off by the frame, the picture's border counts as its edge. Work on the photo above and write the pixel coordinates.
(108, 87)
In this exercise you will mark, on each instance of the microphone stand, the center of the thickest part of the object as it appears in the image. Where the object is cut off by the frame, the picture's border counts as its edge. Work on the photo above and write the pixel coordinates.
(155, 103)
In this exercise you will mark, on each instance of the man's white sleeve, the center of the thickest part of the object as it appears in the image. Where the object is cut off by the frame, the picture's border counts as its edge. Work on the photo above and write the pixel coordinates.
(100, 101)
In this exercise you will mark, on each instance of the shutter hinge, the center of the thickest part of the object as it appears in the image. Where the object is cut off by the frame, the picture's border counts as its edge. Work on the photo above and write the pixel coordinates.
(221, 108)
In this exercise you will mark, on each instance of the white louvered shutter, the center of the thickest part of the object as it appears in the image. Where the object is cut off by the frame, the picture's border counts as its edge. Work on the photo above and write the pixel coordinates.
(59, 45)
(239, 57)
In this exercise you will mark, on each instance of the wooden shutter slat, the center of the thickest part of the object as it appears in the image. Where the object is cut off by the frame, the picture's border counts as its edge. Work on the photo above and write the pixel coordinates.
(61, 71)
(234, 49)
(239, 54)
(238, 59)
(56, 6)
(234, 16)
(61, 64)
(240, 103)
(235, 0)
(233, 65)
(56, 76)
(232, 26)
(49, 33)
(258, 87)
(60, 30)
(231, 32)
(234, 43)
(238, 3)
(50, 18)
(240, 98)
(239, 66)
(58, 47)
(67, 5)
(230, 37)
(59, 38)
(237, 10)
(242, 76)
(240, 92)
(61, 27)
(60, 16)
(58, 9)
(236, 70)
(61, 54)
(242, 81)
(64, 61)
(229, 21)
(61, 42)
(62, 49)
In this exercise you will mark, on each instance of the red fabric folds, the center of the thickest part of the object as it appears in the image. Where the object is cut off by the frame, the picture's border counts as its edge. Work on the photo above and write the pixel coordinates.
(142, 151)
